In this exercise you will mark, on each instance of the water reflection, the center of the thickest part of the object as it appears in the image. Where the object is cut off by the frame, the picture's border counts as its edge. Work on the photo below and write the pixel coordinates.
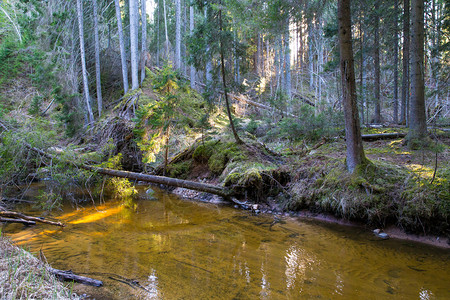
(176, 249)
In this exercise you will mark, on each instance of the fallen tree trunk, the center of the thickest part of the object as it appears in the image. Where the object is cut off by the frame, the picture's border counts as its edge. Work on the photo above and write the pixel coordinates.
(70, 276)
(22, 221)
(382, 136)
(192, 185)
(16, 215)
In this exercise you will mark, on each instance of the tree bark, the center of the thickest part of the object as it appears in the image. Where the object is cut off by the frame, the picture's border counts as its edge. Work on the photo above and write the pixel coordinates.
(395, 104)
(191, 31)
(97, 60)
(177, 34)
(376, 60)
(405, 78)
(355, 151)
(122, 47)
(144, 38)
(208, 60)
(166, 32)
(134, 45)
(417, 123)
(287, 59)
(83, 61)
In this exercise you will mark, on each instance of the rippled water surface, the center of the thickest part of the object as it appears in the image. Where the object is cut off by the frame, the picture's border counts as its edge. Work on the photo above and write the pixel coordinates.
(176, 249)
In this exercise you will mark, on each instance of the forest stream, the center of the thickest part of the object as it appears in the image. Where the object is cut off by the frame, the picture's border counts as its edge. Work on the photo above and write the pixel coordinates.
(170, 248)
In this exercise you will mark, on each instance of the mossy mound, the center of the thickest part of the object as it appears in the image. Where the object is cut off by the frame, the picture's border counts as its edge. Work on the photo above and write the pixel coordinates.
(216, 154)
(378, 193)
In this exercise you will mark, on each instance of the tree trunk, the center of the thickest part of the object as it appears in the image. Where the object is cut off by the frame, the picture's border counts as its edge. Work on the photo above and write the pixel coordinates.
(376, 60)
(227, 102)
(361, 66)
(97, 60)
(395, 119)
(134, 43)
(191, 31)
(166, 32)
(208, 60)
(287, 60)
(355, 151)
(405, 78)
(417, 123)
(144, 38)
(122, 47)
(83, 61)
(177, 34)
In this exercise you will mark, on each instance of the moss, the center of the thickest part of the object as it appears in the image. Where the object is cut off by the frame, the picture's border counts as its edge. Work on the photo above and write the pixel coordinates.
(217, 154)
(180, 170)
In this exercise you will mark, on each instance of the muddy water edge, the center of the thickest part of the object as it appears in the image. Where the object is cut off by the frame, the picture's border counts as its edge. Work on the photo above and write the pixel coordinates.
(169, 248)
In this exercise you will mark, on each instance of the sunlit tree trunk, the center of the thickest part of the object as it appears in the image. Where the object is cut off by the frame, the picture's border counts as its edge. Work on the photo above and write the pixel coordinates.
(97, 60)
(355, 151)
(122, 47)
(134, 45)
(83, 61)
(144, 38)
(418, 122)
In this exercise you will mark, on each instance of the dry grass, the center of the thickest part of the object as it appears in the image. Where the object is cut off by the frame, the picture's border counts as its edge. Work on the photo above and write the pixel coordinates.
(23, 276)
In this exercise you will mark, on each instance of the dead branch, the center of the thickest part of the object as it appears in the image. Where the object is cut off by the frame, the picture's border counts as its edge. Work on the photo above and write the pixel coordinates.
(16, 215)
(70, 276)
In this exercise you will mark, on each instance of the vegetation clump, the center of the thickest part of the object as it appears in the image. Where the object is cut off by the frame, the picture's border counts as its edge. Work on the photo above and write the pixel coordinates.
(23, 276)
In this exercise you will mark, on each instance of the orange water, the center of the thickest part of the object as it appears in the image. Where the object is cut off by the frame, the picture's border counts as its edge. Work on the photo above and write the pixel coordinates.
(177, 249)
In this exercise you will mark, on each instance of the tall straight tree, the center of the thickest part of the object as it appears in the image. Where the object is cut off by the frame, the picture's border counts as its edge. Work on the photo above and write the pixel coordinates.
(376, 60)
(97, 60)
(405, 62)
(134, 45)
(144, 37)
(355, 151)
(83, 61)
(417, 122)
(178, 34)
(191, 31)
(122, 47)
(395, 119)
